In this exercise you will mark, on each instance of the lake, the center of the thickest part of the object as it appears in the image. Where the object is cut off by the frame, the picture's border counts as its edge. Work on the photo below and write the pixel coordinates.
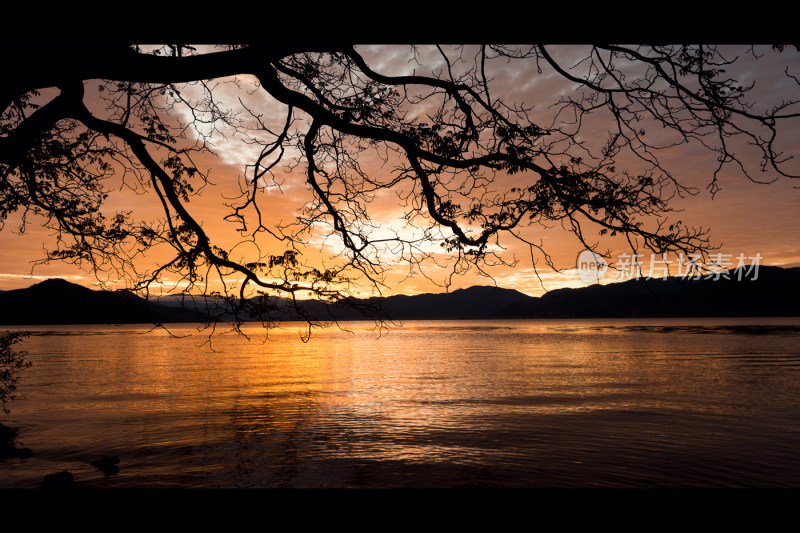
(437, 404)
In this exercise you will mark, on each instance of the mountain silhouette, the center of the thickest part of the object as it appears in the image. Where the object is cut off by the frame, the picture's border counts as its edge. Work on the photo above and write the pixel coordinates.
(57, 301)
(774, 292)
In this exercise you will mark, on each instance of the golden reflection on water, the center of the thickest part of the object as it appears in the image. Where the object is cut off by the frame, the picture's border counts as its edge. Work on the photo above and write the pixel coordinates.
(492, 402)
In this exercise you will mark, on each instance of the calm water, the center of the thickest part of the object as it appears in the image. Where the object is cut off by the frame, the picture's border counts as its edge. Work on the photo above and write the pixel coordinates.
(580, 403)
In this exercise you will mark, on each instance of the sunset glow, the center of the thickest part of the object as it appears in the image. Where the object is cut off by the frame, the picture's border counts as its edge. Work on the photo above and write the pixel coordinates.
(327, 265)
(743, 217)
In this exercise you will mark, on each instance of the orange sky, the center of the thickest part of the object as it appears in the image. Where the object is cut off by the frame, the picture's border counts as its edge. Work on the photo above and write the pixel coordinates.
(744, 217)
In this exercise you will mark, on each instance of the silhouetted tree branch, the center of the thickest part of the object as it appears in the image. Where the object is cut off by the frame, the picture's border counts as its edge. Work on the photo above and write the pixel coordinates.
(11, 362)
(469, 163)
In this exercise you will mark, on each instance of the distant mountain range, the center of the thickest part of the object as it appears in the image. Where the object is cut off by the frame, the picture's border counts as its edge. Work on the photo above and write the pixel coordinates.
(56, 301)
(775, 292)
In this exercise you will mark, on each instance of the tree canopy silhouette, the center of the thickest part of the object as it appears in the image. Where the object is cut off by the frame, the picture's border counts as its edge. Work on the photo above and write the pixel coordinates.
(11, 363)
(469, 160)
